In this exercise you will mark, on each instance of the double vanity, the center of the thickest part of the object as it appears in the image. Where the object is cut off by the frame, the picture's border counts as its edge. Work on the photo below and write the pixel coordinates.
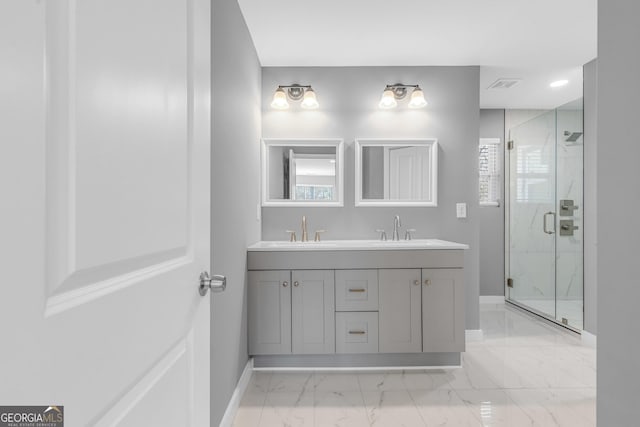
(356, 303)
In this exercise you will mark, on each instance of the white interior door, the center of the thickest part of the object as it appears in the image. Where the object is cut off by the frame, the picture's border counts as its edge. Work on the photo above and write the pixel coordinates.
(408, 173)
(104, 184)
(293, 174)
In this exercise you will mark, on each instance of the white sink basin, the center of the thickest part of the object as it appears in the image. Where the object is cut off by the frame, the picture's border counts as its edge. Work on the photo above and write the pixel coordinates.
(360, 245)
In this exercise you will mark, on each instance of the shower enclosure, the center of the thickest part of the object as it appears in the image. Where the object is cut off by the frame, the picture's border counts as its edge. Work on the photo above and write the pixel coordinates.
(544, 230)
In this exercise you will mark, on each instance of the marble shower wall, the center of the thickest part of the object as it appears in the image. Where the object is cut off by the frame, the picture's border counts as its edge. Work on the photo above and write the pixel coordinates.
(569, 185)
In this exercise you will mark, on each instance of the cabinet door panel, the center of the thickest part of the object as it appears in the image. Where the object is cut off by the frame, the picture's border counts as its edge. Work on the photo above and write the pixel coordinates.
(443, 310)
(313, 312)
(400, 311)
(269, 309)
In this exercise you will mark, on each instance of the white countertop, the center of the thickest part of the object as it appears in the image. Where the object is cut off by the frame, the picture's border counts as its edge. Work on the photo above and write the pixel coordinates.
(356, 245)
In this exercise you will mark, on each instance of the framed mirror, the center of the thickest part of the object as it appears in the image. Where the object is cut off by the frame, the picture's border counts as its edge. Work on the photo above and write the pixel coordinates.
(302, 172)
(396, 172)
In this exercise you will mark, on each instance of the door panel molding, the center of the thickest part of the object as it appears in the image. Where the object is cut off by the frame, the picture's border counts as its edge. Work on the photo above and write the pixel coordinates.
(79, 272)
(180, 354)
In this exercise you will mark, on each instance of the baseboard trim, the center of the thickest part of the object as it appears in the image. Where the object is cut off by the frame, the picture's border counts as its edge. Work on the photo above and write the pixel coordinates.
(473, 335)
(492, 299)
(588, 339)
(347, 360)
(234, 403)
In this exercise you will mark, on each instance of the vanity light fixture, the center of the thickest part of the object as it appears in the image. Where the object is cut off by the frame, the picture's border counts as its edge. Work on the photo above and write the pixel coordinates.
(399, 91)
(295, 92)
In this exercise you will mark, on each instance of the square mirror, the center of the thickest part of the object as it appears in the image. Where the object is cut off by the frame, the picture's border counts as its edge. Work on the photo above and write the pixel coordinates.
(302, 172)
(396, 172)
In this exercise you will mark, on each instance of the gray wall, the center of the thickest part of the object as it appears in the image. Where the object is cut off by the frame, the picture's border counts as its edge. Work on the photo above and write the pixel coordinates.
(618, 176)
(348, 100)
(235, 187)
(492, 217)
(590, 197)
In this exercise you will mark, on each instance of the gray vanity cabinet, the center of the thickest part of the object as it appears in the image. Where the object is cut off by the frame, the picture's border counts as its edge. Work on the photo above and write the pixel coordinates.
(312, 307)
(313, 312)
(269, 309)
(399, 326)
(443, 310)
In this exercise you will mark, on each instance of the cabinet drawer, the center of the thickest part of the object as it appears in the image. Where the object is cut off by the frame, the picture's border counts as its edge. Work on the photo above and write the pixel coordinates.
(356, 332)
(356, 290)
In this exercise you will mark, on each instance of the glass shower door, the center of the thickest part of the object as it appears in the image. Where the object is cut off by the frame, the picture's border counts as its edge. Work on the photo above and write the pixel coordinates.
(531, 215)
(570, 204)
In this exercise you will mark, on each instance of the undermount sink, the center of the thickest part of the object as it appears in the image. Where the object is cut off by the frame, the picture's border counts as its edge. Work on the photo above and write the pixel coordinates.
(338, 245)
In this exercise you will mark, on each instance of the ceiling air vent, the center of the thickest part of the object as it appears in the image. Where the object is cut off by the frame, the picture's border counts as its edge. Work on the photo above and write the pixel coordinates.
(504, 83)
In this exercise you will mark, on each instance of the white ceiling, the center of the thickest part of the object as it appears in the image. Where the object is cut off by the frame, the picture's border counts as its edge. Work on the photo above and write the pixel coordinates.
(538, 41)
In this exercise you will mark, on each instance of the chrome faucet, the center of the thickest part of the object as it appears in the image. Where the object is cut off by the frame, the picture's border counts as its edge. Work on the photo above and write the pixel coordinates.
(305, 237)
(396, 228)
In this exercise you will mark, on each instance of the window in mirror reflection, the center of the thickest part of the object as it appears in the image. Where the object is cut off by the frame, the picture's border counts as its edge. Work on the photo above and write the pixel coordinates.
(302, 172)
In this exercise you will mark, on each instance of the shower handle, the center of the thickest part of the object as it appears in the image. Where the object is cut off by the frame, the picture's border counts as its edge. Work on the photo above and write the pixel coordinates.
(544, 223)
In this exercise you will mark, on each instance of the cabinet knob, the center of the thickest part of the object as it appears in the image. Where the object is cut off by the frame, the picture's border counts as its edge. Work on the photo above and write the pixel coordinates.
(427, 282)
(296, 284)
(416, 282)
(285, 284)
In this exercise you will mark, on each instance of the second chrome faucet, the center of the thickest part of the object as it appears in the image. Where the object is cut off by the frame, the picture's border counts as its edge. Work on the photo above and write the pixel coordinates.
(396, 228)
(396, 231)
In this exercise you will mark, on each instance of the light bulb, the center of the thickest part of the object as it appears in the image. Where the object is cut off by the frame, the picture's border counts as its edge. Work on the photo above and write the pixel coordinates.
(309, 102)
(417, 99)
(280, 100)
(388, 100)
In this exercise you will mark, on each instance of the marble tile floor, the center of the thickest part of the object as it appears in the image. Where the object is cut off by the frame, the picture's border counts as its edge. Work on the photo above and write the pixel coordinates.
(524, 372)
(570, 309)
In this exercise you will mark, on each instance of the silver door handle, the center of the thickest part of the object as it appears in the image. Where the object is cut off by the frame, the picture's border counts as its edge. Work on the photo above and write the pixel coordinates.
(544, 223)
(216, 283)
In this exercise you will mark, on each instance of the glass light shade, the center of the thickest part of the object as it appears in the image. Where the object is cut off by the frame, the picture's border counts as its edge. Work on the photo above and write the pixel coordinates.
(388, 100)
(309, 102)
(280, 100)
(417, 99)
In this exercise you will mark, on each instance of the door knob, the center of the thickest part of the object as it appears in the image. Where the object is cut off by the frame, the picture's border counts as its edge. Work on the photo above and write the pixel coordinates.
(216, 283)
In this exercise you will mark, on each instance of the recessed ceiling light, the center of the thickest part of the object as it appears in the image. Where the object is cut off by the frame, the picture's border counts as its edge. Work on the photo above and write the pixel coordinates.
(559, 83)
